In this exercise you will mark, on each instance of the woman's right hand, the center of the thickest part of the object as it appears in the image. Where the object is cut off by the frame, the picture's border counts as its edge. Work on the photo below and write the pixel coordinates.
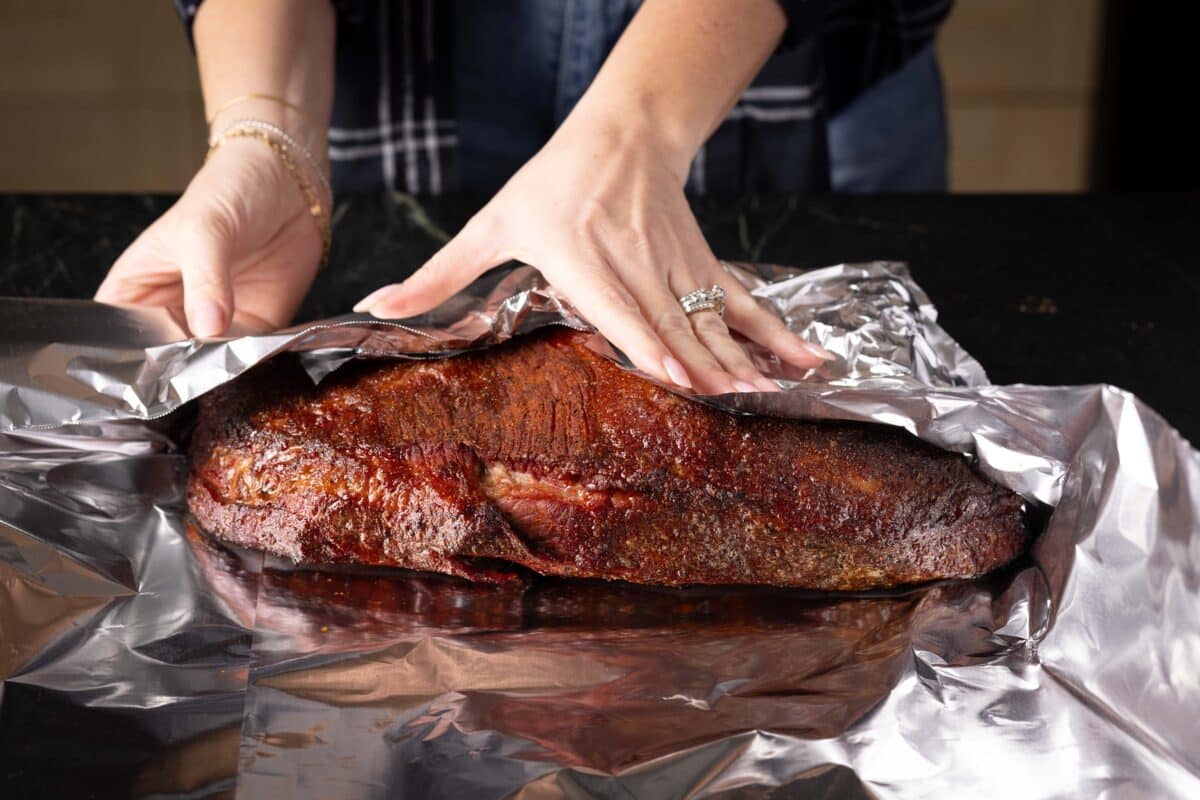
(235, 254)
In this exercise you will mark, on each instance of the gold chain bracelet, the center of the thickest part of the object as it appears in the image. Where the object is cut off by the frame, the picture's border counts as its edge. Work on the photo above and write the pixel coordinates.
(284, 139)
(285, 156)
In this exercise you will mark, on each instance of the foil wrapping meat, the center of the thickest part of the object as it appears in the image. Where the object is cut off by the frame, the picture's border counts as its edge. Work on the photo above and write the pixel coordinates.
(139, 658)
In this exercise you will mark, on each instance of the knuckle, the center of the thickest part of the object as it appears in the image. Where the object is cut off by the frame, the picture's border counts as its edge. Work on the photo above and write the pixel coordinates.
(708, 363)
(709, 323)
(672, 323)
(200, 275)
(738, 360)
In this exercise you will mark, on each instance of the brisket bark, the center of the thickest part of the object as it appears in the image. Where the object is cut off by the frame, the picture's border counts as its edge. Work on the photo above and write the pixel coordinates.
(541, 454)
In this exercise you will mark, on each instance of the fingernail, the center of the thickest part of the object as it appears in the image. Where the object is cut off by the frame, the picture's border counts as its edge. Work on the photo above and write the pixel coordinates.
(677, 373)
(818, 351)
(207, 319)
(364, 305)
(742, 386)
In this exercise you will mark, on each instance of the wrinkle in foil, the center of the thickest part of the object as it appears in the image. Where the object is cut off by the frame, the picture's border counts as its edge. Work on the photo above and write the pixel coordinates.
(174, 666)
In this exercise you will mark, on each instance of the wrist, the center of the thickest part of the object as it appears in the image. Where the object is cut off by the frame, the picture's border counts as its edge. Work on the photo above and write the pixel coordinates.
(256, 180)
(634, 126)
(305, 168)
(297, 124)
(241, 164)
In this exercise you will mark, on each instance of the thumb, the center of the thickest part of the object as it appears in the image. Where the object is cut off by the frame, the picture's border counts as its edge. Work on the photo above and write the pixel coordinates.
(204, 262)
(461, 260)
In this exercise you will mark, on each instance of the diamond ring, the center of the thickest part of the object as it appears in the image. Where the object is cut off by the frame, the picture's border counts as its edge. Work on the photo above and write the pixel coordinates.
(710, 299)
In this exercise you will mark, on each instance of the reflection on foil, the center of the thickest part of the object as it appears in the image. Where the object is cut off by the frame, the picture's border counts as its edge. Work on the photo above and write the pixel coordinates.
(165, 664)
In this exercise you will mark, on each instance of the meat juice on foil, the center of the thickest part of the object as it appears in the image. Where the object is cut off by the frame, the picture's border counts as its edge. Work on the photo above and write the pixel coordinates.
(140, 658)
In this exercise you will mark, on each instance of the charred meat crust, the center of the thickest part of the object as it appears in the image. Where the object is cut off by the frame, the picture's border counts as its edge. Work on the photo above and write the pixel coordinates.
(542, 454)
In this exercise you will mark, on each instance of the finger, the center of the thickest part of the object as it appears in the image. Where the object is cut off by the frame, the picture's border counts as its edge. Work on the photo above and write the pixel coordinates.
(744, 315)
(205, 252)
(641, 261)
(714, 334)
(710, 330)
(599, 295)
(666, 315)
(461, 260)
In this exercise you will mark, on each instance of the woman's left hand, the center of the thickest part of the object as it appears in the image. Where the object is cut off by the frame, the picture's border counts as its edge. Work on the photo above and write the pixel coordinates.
(601, 213)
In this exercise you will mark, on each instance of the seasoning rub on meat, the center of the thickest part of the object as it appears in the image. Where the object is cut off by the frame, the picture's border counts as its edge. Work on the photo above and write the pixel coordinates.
(541, 454)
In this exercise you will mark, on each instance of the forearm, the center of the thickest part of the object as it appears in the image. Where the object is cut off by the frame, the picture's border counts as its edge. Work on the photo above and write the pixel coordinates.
(678, 69)
(282, 48)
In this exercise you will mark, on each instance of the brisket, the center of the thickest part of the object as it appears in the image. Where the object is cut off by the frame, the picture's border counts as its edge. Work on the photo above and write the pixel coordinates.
(544, 455)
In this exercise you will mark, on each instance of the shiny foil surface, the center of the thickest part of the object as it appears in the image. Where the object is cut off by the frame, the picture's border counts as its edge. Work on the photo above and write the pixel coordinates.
(140, 658)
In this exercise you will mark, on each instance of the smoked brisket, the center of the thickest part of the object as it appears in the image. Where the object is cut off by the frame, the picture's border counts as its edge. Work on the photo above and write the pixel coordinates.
(543, 455)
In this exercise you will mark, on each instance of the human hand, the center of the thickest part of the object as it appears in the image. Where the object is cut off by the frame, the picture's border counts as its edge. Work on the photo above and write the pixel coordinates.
(601, 213)
(235, 254)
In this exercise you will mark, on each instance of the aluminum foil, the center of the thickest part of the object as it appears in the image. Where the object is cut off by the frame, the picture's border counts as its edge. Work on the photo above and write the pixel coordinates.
(157, 663)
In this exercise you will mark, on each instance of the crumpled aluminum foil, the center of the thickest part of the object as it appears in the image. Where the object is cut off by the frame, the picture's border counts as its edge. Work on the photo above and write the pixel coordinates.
(189, 669)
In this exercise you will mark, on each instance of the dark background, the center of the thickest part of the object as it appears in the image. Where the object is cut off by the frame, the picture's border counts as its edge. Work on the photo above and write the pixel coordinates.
(1145, 129)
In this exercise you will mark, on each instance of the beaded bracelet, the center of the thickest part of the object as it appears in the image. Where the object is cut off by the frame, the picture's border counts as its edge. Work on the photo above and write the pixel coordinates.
(282, 135)
(283, 152)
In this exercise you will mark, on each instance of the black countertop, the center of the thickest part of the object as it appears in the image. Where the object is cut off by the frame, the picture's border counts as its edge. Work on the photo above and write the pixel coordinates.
(1041, 289)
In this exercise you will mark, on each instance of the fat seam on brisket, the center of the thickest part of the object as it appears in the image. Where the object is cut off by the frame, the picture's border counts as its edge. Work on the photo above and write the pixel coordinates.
(543, 454)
